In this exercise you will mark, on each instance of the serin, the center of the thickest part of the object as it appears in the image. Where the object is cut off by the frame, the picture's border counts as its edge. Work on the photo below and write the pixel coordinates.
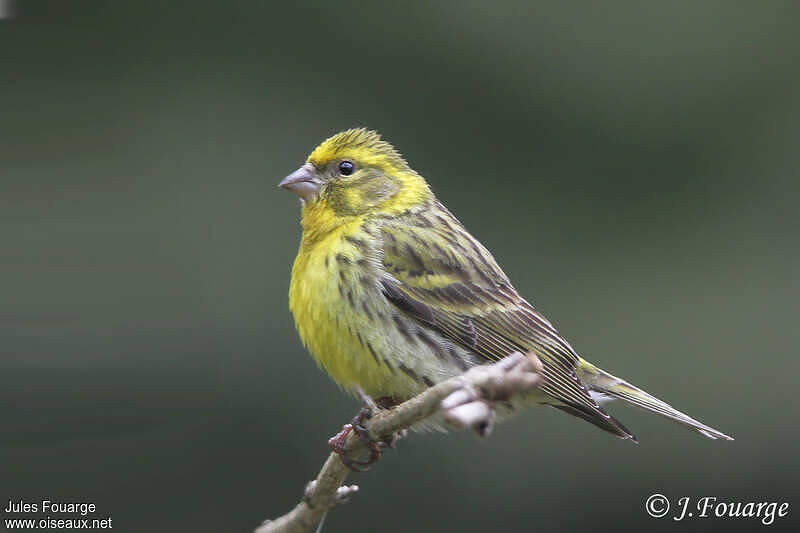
(391, 294)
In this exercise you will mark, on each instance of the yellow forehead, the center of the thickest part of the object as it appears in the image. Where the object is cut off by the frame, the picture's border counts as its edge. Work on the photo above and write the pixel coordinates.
(361, 145)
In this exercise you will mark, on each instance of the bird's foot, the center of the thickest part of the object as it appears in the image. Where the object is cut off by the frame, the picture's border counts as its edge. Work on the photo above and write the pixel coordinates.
(338, 442)
(369, 408)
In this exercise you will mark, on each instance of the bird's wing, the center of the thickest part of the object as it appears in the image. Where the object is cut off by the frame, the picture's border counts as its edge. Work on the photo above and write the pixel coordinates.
(446, 280)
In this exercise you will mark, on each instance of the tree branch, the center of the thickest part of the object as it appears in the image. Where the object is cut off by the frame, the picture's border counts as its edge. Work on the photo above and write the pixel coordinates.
(465, 401)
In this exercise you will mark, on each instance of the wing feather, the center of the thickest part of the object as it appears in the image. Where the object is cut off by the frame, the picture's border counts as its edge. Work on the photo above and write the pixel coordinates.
(441, 276)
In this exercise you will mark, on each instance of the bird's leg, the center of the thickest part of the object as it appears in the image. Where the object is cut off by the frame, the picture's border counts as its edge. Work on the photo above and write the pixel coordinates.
(387, 402)
(337, 442)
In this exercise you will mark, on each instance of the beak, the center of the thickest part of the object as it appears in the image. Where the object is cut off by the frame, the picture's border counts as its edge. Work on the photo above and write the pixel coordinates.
(302, 182)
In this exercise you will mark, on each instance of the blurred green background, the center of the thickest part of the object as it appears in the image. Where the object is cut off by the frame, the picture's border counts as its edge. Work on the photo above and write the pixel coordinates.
(633, 166)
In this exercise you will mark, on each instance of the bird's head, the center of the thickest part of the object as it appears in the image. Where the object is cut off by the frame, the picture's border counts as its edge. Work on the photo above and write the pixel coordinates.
(356, 173)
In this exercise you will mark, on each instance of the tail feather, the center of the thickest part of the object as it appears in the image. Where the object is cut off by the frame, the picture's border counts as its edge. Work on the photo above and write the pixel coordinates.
(607, 423)
(604, 384)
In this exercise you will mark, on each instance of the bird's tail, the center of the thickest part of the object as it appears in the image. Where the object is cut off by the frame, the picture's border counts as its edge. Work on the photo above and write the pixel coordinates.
(605, 386)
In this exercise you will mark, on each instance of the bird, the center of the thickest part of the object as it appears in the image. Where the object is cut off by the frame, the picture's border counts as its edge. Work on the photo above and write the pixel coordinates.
(391, 294)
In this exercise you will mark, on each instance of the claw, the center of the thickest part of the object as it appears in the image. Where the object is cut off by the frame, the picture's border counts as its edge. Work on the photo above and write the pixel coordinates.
(337, 442)
(370, 406)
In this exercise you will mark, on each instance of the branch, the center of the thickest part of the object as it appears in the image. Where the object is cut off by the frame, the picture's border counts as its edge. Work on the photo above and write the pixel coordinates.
(465, 401)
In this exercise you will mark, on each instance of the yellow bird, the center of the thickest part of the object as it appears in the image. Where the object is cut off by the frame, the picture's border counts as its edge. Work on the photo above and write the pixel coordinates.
(391, 294)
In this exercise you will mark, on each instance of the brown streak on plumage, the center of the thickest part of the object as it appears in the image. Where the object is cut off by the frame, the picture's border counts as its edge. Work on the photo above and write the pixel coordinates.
(402, 327)
(444, 222)
(458, 360)
(408, 371)
(365, 307)
(372, 351)
(422, 221)
(415, 258)
(402, 301)
(430, 342)
(419, 240)
(358, 243)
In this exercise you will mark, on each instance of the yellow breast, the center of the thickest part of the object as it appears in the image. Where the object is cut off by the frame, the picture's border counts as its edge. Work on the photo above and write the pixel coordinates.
(328, 295)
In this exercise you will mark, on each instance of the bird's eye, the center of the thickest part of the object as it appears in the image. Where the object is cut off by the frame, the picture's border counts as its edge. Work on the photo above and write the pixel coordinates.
(346, 168)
